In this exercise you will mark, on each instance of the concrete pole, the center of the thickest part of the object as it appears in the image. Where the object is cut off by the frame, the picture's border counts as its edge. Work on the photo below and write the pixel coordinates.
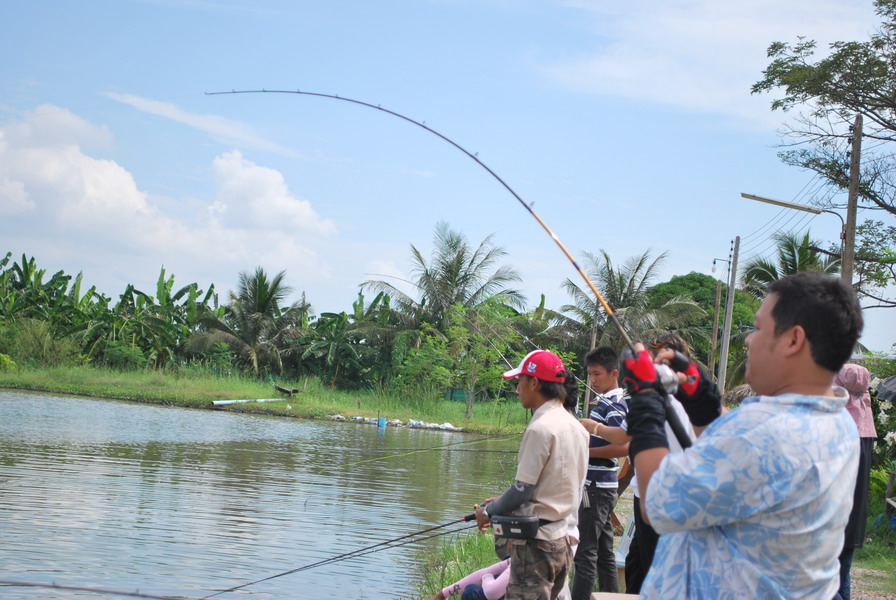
(849, 239)
(586, 407)
(729, 311)
(715, 328)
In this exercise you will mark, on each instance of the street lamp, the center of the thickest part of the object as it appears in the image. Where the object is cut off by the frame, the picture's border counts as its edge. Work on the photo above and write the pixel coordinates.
(845, 261)
(721, 259)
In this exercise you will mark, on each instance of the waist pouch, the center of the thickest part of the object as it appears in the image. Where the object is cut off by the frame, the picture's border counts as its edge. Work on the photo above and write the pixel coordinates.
(517, 527)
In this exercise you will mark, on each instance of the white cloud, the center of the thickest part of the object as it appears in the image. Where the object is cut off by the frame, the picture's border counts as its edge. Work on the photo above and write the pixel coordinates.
(49, 125)
(83, 213)
(227, 131)
(257, 196)
(699, 55)
(13, 197)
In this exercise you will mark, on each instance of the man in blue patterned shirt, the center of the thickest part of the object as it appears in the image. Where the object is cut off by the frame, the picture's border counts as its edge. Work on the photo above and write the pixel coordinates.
(594, 556)
(756, 508)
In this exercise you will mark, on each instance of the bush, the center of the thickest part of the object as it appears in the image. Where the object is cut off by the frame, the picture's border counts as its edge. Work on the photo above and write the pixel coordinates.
(122, 355)
(6, 363)
(31, 342)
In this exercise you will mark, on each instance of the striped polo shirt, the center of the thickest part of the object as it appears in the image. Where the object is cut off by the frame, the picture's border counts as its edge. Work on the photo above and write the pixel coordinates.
(609, 410)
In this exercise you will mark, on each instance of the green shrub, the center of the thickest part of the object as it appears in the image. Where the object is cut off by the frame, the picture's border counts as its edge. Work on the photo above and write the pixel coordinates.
(32, 342)
(6, 363)
(122, 355)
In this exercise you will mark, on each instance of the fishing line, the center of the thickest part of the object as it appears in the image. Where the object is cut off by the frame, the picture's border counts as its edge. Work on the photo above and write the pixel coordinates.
(344, 556)
(610, 313)
(671, 417)
(95, 590)
(410, 452)
(365, 552)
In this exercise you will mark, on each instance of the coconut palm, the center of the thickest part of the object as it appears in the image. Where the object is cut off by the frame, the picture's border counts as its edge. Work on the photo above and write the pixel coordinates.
(794, 254)
(255, 325)
(456, 274)
(624, 288)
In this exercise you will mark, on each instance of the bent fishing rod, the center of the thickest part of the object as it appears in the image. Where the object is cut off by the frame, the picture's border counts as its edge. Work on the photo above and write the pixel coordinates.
(671, 416)
(359, 552)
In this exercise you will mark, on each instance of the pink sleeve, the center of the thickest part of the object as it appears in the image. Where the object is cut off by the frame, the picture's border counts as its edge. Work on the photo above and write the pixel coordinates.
(494, 587)
(478, 577)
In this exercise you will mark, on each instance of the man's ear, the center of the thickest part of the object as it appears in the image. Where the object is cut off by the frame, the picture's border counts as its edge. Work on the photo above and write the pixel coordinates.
(794, 340)
(615, 374)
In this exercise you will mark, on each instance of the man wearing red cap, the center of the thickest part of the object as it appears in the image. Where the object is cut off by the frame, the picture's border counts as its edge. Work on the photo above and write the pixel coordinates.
(552, 461)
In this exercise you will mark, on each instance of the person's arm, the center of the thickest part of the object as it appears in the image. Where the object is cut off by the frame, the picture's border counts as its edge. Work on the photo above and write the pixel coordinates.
(646, 464)
(477, 577)
(646, 418)
(511, 499)
(609, 451)
(697, 392)
(494, 586)
(614, 435)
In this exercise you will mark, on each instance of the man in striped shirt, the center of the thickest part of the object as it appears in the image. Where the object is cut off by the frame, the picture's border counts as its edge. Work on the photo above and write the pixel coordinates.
(594, 557)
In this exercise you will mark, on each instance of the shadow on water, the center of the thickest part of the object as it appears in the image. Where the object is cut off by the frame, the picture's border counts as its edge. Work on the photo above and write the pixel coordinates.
(179, 501)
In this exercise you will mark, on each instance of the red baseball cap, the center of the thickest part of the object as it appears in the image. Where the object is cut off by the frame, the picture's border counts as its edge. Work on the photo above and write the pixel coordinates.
(540, 364)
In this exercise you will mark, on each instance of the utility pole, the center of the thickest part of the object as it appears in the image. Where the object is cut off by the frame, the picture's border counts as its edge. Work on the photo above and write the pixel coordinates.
(729, 311)
(715, 327)
(849, 241)
(586, 408)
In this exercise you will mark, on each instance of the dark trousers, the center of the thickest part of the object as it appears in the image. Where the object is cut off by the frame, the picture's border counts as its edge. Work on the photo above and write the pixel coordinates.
(595, 558)
(640, 552)
(474, 592)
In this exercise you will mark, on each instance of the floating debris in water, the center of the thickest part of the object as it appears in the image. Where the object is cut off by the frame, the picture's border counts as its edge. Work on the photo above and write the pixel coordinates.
(413, 424)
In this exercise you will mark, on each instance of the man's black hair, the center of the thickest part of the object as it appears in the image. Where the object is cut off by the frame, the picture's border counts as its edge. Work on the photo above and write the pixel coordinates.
(603, 356)
(553, 389)
(571, 402)
(827, 310)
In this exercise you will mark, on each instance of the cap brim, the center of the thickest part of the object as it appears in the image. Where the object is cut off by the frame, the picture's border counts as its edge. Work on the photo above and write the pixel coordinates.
(512, 373)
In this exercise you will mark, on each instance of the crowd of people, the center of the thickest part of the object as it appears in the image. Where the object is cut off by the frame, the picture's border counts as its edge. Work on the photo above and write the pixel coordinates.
(764, 501)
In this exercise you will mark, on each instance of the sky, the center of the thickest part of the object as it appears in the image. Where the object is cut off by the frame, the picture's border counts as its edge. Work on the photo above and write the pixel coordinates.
(627, 126)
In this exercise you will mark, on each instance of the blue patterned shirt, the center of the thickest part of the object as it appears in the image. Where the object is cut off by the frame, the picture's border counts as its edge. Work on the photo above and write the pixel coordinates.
(757, 506)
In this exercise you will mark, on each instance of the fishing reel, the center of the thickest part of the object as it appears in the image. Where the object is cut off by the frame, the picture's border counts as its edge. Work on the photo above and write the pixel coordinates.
(667, 378)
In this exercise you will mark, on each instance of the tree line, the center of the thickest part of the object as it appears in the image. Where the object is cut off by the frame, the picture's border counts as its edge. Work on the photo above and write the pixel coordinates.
(458, 331)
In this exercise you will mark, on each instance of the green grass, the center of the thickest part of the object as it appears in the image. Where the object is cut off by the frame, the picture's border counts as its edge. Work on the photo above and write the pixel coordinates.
(197, 388)
(455, 559)
(876, 561)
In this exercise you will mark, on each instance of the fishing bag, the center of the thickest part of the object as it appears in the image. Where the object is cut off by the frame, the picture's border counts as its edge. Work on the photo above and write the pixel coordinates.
(516, 527)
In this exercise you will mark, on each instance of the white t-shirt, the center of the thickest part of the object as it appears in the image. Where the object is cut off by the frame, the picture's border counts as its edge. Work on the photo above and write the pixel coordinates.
(674, 446)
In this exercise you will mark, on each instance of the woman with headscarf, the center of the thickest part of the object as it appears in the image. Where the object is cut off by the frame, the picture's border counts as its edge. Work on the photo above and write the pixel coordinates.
(855, 380)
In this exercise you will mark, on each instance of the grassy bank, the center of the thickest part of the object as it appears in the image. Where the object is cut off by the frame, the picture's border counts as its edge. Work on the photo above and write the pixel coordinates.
(197, 389)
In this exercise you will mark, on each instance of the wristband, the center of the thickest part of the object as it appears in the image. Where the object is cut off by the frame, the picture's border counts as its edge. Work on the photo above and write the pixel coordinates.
(594, 431)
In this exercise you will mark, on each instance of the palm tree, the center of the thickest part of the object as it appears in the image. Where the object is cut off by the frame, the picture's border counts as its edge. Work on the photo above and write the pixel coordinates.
(456, 274)
(625, 290)
(794, 254)
(255, 325)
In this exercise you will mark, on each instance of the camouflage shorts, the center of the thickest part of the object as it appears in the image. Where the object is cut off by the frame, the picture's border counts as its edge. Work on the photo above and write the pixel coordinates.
(538, 569)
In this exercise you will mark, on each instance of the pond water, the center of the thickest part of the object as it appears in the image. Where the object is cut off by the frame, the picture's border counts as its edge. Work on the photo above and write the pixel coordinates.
(173, 501)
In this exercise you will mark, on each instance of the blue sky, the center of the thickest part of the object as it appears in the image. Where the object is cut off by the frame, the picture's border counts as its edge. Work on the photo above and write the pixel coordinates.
(629, 125)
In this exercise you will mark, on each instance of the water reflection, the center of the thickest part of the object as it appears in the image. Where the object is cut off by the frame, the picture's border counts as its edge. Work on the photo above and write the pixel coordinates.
(179, 501)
